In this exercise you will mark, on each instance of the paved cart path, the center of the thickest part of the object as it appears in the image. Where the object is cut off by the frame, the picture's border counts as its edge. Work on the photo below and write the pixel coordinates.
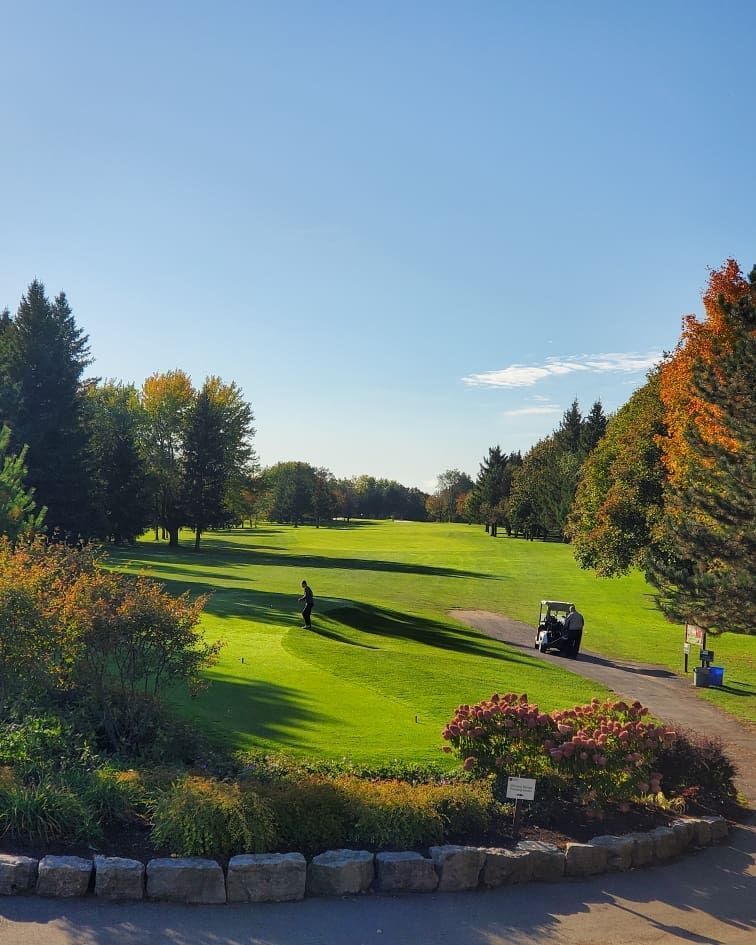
(670, 697)
(705, 899)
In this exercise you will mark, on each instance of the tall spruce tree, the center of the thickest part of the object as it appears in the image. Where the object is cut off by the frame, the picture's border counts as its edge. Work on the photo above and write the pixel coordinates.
(569, 435)
(706, 572)
(492, 488)
(43, 358)
(592, 429)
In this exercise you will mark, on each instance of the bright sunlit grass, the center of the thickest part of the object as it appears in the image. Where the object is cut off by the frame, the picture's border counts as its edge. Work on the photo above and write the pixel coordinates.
(385, 666)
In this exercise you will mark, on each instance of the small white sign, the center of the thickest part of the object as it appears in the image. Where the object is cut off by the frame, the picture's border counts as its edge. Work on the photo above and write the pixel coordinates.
(521, 789)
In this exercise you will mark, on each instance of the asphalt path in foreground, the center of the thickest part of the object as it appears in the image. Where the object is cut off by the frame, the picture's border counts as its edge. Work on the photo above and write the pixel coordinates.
(708, 898)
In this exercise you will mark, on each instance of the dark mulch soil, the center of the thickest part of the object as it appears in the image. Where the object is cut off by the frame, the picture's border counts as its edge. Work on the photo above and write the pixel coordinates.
(133, 840)
(128, 840)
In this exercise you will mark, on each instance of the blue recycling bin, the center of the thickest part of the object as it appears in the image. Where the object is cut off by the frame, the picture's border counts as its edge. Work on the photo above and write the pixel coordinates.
(716, 675)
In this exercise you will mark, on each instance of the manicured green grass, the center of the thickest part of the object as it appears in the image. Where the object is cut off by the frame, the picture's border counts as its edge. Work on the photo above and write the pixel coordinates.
(385, 666)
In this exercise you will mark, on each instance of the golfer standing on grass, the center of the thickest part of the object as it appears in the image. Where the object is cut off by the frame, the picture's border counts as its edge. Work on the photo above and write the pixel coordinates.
(308, 599)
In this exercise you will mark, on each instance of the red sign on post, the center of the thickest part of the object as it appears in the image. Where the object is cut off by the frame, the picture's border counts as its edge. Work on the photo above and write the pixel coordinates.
(694, 634)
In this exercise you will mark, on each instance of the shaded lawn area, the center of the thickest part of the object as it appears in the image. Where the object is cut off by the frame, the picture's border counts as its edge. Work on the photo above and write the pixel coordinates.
(385, 666)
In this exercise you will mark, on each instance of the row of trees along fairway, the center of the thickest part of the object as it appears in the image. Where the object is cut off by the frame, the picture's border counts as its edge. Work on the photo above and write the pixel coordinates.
(671, 487)
(107, 460)
(296, 492)
(531, 495)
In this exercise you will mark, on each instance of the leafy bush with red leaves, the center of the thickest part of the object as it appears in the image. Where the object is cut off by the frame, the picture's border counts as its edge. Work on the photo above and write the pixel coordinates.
(598, 754)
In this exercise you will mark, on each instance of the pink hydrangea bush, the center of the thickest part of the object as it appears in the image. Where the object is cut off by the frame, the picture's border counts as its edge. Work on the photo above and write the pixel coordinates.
(602, 753)
(503, 734)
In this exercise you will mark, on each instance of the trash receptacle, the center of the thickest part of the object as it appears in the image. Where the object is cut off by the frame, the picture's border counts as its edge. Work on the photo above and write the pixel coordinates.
(716, 675)
(701, 677)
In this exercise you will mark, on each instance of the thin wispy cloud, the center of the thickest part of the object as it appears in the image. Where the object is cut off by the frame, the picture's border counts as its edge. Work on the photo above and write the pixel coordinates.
(525, 375)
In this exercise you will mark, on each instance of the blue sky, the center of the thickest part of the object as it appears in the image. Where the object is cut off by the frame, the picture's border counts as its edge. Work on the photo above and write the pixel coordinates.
(409, 231)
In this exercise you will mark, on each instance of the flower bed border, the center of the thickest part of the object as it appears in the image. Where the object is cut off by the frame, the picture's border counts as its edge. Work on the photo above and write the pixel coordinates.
(279, 877)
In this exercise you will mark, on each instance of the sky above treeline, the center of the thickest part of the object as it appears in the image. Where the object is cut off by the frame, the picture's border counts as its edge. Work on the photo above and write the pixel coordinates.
(408, 231)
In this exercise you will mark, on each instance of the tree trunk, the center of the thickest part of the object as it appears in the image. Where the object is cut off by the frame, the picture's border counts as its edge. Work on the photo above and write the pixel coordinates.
(487, 528)
(157, 533)
(197, 534)
(173, 538)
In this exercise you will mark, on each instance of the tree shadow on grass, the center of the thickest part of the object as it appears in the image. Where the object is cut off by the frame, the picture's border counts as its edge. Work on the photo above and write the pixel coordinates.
(314, 562)
(236, 705)
(230, 555)
(330, 634)
(383, 622)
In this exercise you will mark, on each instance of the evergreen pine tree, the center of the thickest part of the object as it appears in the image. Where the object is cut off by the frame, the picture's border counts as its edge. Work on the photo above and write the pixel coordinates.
(593, 428)
(707, 571)
(17, 505)
(43, 359)
(570, 432)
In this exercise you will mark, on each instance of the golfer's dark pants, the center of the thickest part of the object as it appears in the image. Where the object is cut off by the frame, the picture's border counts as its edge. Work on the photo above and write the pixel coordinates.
(306, 614)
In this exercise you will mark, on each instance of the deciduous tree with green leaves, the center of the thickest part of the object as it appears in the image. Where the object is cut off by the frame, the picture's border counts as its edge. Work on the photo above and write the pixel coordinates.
(216, 454)
(614, 520)
(123, 489)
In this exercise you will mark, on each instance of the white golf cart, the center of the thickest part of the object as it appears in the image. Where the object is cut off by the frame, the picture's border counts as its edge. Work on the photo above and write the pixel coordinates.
(551, 633)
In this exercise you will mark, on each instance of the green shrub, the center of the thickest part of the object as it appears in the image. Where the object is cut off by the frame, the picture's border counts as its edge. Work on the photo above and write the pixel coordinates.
(316, 813)
(111, 795)
(465, 809)
(44, 812)
(393, 815)
(44, 744)
(311, 814)
(202, 817)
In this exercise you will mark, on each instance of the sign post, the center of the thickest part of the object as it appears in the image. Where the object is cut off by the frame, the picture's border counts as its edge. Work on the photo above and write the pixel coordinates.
(518, 790)
(695, 636)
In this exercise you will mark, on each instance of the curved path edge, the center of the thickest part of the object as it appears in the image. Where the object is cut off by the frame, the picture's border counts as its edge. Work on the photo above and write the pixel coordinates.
(668, 696)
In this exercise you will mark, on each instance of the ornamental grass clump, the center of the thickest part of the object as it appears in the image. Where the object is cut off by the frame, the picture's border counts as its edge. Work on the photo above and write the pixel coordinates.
(597, 754)
(203, 817)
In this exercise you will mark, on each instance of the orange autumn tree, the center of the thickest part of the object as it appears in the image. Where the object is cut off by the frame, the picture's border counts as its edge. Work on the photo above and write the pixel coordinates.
(671, 487)
(705, 560)
(684, 405)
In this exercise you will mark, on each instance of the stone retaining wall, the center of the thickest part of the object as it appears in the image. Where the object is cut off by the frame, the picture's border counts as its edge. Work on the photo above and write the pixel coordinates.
(284, 877)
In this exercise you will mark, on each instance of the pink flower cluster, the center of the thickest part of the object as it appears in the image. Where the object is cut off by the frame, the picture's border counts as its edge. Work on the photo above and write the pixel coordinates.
(604, 748)
(511, 714)
(599, 732)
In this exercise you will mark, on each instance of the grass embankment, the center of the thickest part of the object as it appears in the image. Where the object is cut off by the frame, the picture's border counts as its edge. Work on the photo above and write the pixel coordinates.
(385, 666)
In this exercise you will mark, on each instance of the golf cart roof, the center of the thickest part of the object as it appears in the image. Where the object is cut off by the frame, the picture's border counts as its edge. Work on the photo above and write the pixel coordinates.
(556, 604)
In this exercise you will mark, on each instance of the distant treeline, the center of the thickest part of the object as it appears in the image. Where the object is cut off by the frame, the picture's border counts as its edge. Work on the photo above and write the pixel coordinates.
(295, 493)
